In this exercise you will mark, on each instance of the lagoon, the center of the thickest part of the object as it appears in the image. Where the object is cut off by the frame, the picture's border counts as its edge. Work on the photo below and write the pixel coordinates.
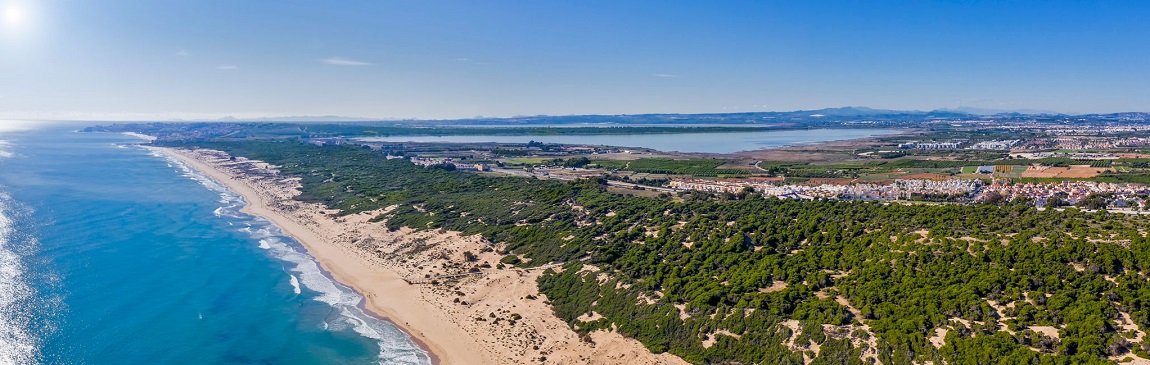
(725, 142)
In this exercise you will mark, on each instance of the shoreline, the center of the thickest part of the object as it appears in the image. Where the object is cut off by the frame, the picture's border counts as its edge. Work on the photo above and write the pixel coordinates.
(257, 207)
(429, 284)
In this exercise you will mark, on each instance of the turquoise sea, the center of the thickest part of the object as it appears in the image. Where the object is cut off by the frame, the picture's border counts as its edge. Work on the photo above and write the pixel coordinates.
(113, 254)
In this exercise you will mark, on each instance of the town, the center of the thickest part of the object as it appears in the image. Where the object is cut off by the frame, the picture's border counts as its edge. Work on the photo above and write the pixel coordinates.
(1123, 195)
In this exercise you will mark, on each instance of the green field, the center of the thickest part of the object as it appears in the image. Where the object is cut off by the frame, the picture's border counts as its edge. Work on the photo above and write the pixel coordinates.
(525, 160)
(695, 167)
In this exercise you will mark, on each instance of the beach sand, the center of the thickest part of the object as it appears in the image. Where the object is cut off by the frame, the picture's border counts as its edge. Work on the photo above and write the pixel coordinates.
(460, 310)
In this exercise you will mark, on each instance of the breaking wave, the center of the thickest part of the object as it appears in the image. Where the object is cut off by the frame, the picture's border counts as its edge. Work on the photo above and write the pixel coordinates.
(4, 149)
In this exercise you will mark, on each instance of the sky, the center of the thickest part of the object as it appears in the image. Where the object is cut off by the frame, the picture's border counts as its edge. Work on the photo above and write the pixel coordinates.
(430, 59)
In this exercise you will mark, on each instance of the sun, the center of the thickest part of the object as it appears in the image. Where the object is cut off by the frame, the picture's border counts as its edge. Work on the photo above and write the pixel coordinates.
(13, 15)
(19, 25)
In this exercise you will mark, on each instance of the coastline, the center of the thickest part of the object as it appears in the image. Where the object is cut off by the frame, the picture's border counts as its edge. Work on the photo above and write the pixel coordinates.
(338, 265)
(452, 321)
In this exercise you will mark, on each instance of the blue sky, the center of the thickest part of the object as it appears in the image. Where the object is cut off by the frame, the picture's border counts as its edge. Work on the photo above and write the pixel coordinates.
(121, 59)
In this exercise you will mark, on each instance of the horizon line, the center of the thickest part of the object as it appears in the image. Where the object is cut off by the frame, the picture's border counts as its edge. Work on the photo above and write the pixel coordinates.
(345, 118)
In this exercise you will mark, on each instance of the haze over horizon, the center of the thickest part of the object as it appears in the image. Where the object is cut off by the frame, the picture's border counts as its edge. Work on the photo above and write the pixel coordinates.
(119, 60)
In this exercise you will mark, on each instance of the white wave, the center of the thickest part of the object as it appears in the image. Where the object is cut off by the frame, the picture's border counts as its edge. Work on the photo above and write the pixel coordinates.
(4, 149)
(141, 136)
(396, 347)
(295, 284)
(226, 195)
(17, 345)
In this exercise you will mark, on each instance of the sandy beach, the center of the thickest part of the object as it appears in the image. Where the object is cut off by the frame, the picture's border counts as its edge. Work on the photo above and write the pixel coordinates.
(461, 311)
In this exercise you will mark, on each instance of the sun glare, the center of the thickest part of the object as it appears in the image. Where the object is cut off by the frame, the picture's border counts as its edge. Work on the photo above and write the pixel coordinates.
(13, 14)
(19, 23)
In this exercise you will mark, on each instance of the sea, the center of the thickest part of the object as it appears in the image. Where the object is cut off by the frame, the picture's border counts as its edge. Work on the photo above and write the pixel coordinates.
(111, 253)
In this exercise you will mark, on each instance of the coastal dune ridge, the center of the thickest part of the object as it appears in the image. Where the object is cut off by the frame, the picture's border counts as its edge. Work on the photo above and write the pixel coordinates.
(391, 271)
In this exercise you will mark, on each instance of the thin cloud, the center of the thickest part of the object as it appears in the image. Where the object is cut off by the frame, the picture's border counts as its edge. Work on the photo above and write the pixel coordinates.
(665, 75)
(470, 61)
(340, 61)
(228, 67)
(183, 53)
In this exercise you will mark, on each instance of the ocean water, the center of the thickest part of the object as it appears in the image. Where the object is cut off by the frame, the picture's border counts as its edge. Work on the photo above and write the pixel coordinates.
(113, 254)
(724, 142)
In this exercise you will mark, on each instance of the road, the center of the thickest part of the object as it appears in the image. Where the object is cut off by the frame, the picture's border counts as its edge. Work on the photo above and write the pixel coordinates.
(652, 188)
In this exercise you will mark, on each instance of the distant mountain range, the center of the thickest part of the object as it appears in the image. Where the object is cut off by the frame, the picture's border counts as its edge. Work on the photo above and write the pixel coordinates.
(982, 111)
(301, 118)
(864, 111)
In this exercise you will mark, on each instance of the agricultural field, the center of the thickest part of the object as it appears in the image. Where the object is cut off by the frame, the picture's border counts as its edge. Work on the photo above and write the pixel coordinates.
(525, 161)
(1070, 172)
(693, 167)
